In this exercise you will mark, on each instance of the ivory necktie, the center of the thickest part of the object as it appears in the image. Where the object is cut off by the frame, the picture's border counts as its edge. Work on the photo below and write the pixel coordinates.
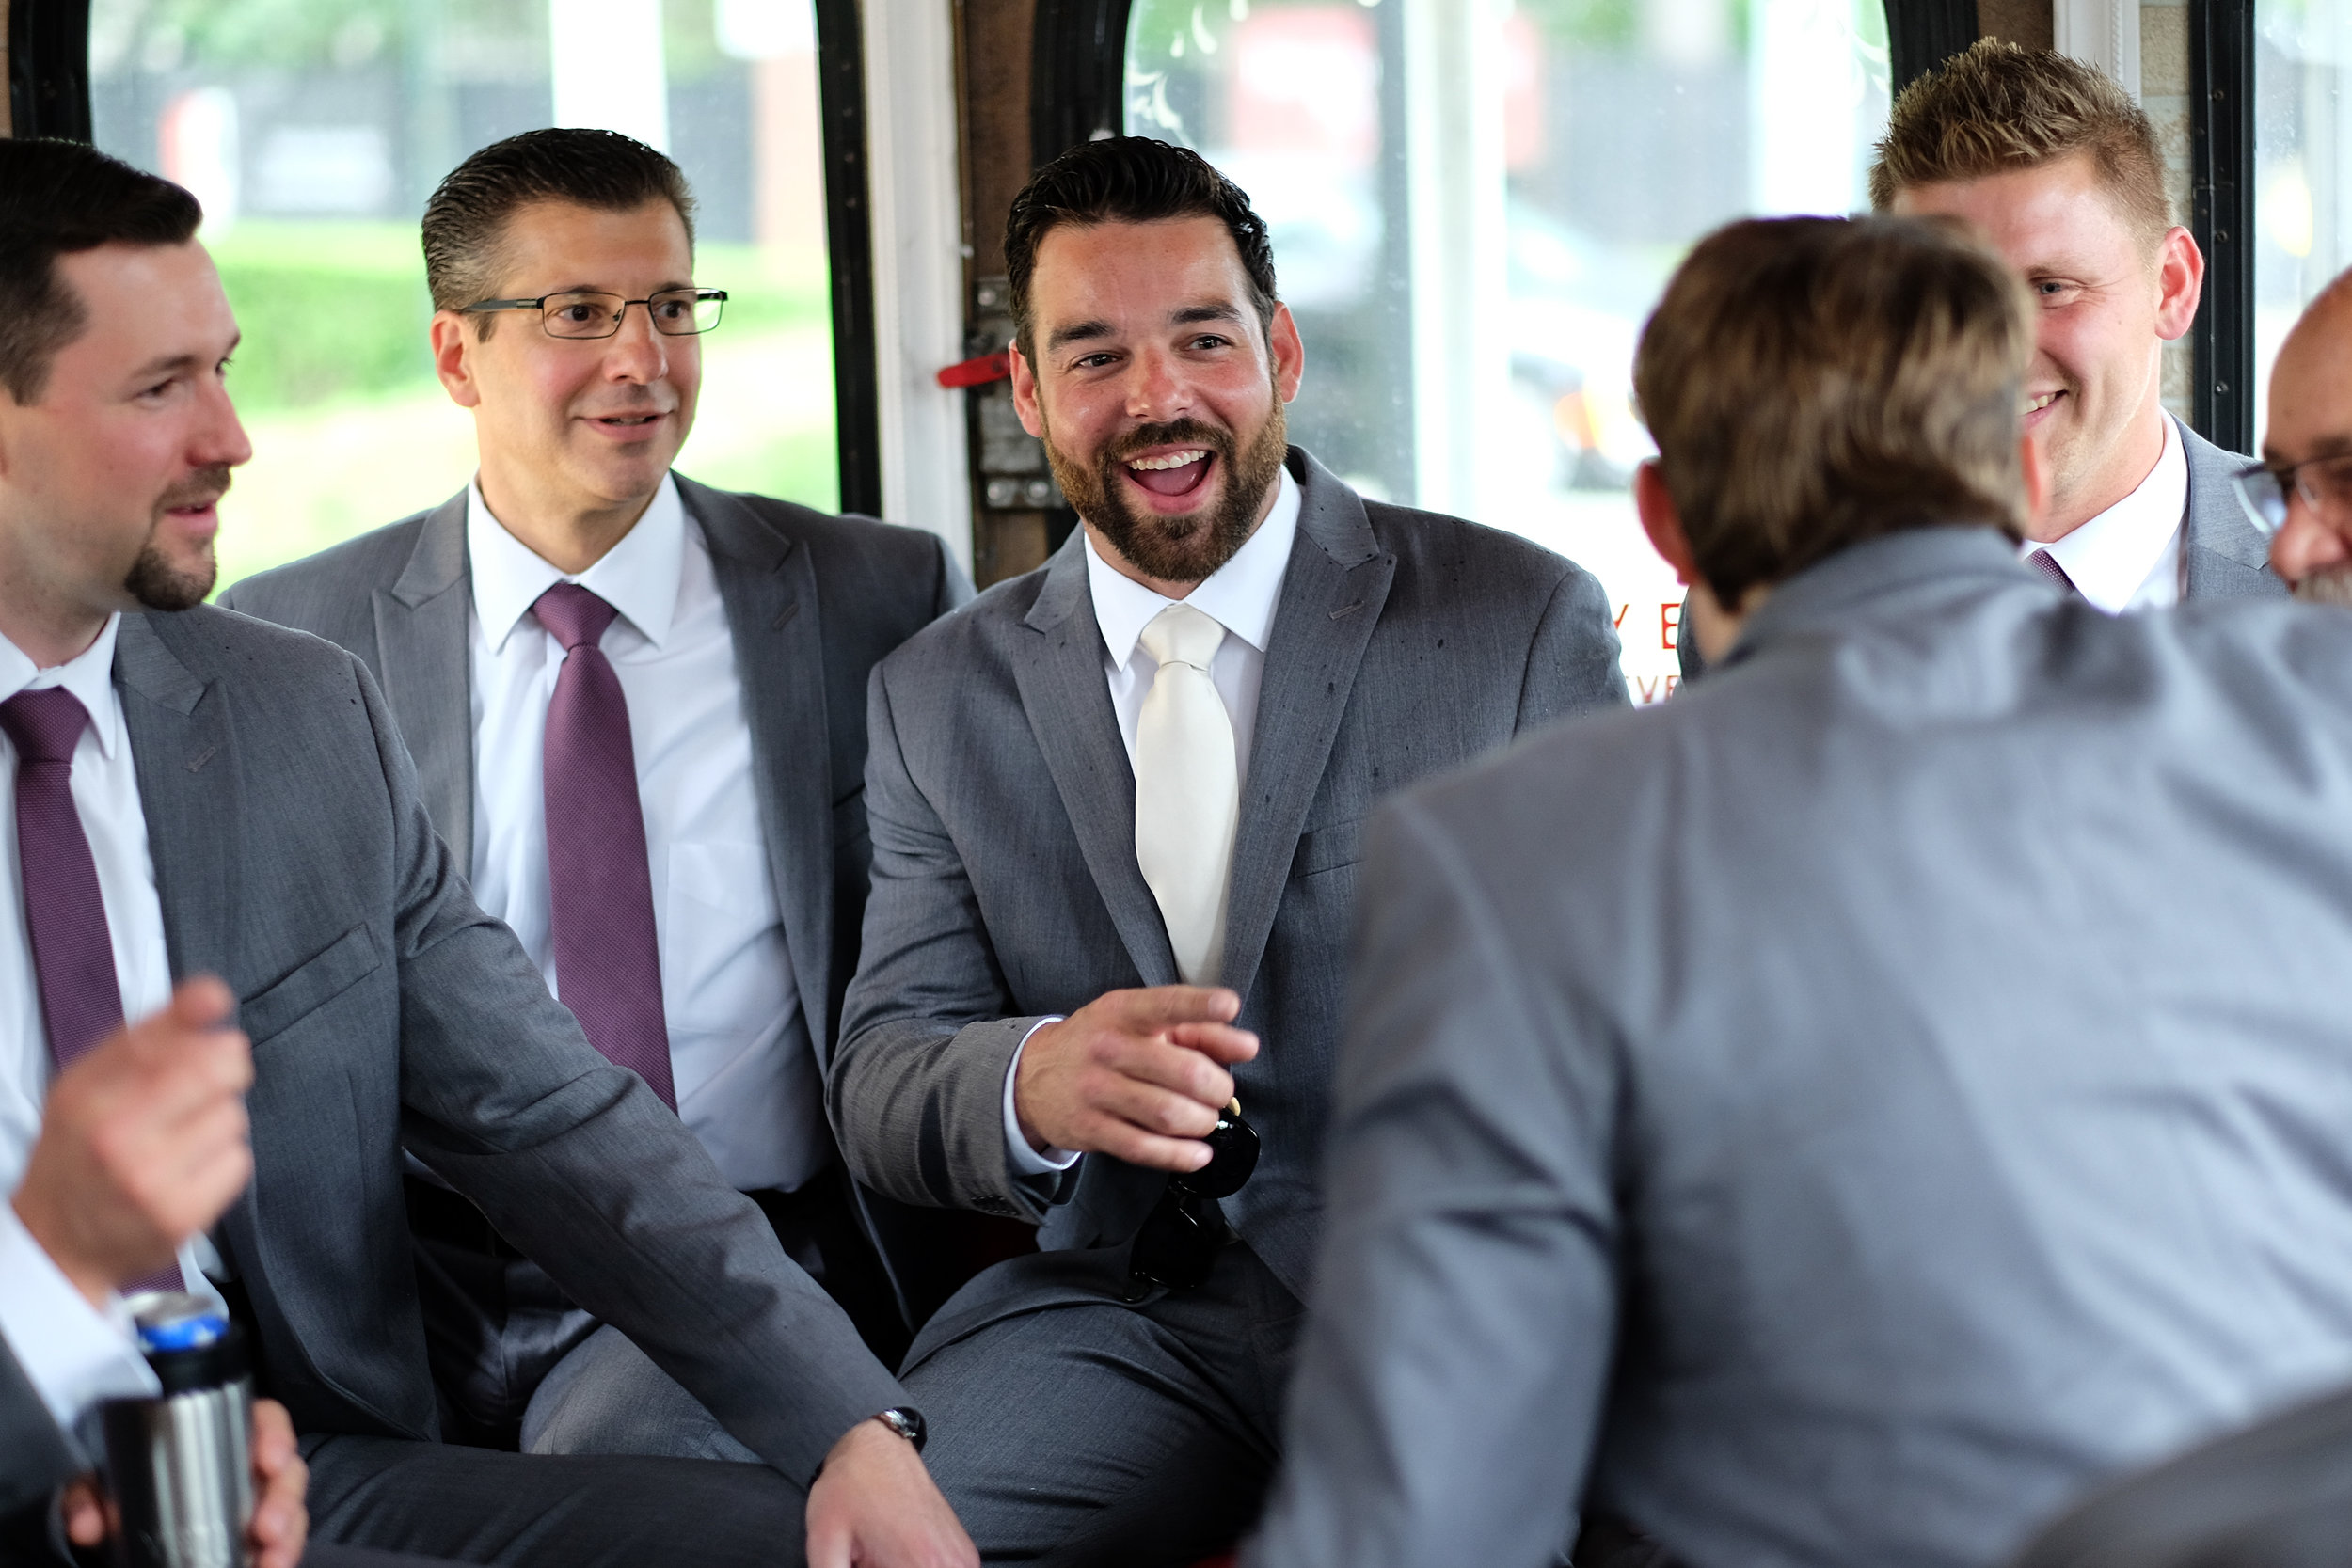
(2046, 563)
(65, 914)
(607, 965)
(1187, 789)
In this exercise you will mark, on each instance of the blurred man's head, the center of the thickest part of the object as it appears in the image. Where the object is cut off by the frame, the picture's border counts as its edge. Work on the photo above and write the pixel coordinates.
(583, 220)
(1814, 383)
(115, 430)
(1151, 353)
(2307, 494)
(2060, 169)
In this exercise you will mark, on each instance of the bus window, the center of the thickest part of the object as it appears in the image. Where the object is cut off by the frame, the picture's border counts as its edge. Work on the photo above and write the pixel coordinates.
(313, 131)
(2302, 156)
(1475, 204)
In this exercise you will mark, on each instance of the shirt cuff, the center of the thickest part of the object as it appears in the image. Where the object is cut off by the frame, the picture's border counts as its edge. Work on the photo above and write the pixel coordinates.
(72, 1353)
(1026, 1160)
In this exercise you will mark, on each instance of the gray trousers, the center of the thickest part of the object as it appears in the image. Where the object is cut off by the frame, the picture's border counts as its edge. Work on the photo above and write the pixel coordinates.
(1091, 1427)
(1068, 1424)
(524, 1510)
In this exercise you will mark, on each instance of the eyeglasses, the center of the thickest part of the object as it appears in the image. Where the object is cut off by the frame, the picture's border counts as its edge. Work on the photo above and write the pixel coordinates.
(2324, 483)
(590, 313)
(1186, 1230)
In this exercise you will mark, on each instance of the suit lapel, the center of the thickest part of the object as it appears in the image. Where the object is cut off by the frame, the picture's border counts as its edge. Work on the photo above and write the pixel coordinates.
(1333, 591)
(191, 791)
(423, 645)
(768, 586)
(1059, 671)
(2224, 555)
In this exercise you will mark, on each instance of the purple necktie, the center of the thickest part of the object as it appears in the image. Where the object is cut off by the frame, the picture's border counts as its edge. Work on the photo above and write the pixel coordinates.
(2046, 563)
(65, 914)
(608, 967)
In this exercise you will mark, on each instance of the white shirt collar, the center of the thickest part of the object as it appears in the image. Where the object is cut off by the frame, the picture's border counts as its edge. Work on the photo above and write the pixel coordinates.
(1240, 595)
(638, 576)
(88, 675)
(2110, 557)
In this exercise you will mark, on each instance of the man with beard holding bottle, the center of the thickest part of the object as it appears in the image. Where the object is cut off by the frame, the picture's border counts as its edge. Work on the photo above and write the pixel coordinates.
(1115, 808)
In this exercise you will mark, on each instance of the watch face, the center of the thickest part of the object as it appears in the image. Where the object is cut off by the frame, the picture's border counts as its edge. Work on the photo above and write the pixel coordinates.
(907, 1424)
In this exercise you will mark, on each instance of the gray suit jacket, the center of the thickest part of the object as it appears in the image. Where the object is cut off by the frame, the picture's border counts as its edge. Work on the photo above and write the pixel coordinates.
(34, 1456)
(1847, 1111)
(294, 859)
(1005, 879)
(2223, 555)
(813, 601)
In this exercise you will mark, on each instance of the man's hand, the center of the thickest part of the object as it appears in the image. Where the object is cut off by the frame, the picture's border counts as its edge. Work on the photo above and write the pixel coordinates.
(1140, 1076)
(280, 1523)
(142, 1143)
(875, 1507)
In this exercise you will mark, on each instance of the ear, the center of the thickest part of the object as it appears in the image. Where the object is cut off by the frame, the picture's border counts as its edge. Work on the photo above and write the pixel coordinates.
(2037, 479)
(2180, 284)
(1024, 394)
(1290, 353)
(1662, 522)
(453, 358)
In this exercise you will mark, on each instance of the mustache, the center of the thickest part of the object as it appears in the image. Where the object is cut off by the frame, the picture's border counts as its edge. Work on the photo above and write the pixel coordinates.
(1172, 432)
(199, 489)
(2331, 585)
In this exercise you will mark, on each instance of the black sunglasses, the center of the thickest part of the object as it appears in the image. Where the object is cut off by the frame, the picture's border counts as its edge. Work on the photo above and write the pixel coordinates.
(1186, 1230)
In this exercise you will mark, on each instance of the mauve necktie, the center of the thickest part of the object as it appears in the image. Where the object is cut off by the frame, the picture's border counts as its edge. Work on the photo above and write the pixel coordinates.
(65, 914)
(2046, 563)
(608, 966)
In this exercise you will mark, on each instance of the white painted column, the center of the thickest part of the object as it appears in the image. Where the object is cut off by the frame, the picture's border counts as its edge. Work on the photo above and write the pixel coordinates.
(1459, 246)
(2103, 33)
(606, 61)
(918, 209)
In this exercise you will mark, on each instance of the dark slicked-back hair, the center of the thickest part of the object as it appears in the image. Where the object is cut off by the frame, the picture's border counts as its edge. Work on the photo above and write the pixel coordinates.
(1812, 382)
(57, 199)
(465, 220)
(1130, 179)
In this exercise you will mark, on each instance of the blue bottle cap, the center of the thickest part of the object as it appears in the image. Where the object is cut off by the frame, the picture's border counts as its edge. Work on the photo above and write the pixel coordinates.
(176, 1320)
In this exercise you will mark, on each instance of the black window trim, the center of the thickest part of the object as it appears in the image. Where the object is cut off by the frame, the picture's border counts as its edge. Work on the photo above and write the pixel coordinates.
(49, 68)
(2221, 217)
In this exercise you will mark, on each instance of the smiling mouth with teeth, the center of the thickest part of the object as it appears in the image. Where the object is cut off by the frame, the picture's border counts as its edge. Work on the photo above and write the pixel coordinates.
(1174, 473)
(627, 418)
(2035, 405)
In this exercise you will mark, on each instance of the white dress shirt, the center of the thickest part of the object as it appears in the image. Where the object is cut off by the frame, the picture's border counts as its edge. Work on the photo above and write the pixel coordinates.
(1241, 596)
(2129, 556)
(73, 1354)
(739, 1053)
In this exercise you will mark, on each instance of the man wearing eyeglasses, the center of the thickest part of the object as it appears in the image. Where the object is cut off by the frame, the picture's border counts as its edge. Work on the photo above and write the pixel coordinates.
(637, 706)
(2300, 494)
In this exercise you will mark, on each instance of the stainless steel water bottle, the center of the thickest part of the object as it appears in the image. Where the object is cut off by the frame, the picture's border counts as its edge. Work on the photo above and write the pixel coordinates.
(181, 1464)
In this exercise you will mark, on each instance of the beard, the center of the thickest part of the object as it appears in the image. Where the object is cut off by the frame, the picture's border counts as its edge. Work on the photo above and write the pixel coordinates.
(1191, 546)
(2329, 585)
(154, 580)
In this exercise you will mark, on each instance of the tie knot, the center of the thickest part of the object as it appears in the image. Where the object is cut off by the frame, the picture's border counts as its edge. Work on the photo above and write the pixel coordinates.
(2046, 563)
(573, 615)
(46, 724)
(1183, 635)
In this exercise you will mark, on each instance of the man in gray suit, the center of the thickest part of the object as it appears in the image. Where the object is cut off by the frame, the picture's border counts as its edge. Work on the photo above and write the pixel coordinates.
(1837, 1118)
(742, 632)
(1115, 808)
(197, 793)
(2060, 169)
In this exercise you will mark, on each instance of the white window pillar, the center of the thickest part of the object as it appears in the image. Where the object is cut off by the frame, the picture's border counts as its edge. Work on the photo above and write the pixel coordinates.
(1459, 244)
(605, 58)
(916, 204)
(2103, 33)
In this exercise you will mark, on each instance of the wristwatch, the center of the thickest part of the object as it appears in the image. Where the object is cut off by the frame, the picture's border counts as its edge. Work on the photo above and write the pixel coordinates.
(907, 1423)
